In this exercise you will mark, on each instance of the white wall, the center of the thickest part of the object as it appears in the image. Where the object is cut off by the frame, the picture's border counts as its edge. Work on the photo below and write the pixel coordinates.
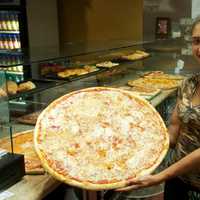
(195, 8)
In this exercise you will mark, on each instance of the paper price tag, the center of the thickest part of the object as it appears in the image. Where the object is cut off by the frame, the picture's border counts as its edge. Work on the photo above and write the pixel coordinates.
(2, 152)
(5, 195)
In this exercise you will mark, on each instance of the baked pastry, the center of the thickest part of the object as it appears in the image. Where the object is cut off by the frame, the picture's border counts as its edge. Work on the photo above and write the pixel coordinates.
(107, 64)
(2, 93)
(135, 56)
(29, 85)
(12, 87)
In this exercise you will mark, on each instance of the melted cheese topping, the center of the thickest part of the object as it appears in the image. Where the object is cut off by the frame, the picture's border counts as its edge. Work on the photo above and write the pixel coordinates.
(101, 135)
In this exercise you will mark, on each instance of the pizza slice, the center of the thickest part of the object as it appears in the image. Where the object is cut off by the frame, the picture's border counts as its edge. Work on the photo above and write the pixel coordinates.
(23, 144)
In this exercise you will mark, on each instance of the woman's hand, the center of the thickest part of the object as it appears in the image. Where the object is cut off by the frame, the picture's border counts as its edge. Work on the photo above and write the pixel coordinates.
(143, 182)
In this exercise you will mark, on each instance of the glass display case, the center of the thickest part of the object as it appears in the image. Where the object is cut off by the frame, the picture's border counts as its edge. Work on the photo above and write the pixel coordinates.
(82, 70)
(5, 129)
(11, 164)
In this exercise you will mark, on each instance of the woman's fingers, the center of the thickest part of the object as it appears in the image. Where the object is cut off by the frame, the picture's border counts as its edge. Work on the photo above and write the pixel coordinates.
(125, 189)
(141, 182)
(133, 182)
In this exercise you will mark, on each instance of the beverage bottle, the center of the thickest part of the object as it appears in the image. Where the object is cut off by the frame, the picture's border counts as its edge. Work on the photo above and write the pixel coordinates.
(13, 60)
(1, 28)
(16, 22)
(17, 61)
(8, 60)
(19, 41)
(13, 22)
(1, 42)
(20, 59)
(10, 42)
(9, 24)
(4, 60)
(5, 42)
(4, 25)
(15, 42)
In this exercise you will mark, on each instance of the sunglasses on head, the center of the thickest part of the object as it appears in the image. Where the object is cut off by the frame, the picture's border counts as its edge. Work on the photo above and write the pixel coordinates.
(196, 40)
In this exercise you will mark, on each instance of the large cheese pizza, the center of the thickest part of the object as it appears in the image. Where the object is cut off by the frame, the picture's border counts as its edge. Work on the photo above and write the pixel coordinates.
(100, 138)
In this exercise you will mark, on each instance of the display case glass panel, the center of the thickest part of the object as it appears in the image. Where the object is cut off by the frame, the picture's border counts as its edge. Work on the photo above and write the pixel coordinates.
(5, 126)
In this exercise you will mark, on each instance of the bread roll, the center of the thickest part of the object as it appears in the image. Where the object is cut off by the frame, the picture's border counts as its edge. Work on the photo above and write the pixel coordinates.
(2, 93)
(12, 87)
(26, 86)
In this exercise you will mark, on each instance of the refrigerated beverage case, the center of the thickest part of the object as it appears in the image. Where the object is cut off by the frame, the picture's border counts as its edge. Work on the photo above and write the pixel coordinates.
(12, 35)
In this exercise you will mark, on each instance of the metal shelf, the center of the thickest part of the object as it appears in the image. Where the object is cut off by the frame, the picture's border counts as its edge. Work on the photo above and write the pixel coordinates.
(14, 72)
(9, 32)
(11, 51)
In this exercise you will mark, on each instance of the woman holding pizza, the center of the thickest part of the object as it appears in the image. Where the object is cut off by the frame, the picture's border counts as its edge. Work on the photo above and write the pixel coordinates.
(183, 175)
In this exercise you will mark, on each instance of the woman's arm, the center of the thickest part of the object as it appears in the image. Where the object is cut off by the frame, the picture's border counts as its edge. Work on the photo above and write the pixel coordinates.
(174, 127)
(189, 163)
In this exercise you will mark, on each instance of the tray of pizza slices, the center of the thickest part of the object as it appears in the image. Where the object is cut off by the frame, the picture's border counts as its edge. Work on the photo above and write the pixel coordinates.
(74, 72)
(157, 80)
(100, 138)
(23, 144)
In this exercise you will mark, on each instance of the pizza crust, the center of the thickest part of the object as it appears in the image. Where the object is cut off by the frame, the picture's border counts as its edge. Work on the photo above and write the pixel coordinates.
(89, 184)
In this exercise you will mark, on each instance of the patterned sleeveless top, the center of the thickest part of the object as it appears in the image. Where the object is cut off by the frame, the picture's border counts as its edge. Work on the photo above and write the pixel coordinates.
(189, 138)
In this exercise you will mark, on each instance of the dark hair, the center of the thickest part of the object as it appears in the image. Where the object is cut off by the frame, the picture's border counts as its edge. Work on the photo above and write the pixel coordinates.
(195, 22)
